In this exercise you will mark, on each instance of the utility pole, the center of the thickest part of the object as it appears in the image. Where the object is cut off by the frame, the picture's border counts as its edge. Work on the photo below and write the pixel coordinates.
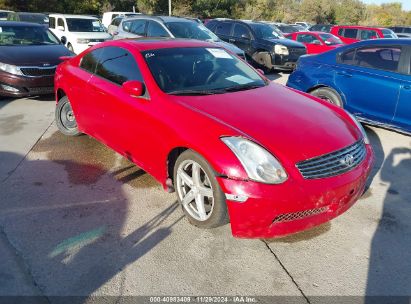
(169, 7)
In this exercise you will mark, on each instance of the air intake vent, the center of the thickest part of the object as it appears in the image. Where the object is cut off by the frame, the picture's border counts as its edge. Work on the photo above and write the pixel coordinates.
(288, 217)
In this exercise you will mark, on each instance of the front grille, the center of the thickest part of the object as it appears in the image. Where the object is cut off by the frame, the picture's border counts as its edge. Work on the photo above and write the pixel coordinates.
(297, 51)
(96, 40)
(334, 163)
(36, 71)
(287, 217)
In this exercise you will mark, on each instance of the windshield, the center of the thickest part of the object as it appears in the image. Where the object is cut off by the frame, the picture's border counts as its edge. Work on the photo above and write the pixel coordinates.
(34, 18)
(200, 71)
(26, 35)
(191, 30)
(84, 25)
(330, 39)
(288, 29)
(265, 31)
(389, 33)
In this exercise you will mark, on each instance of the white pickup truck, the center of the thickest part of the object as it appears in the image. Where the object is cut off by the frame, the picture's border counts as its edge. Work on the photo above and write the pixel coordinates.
(77, 32)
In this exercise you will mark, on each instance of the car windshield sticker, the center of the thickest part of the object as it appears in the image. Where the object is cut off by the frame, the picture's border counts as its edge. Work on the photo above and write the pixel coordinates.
(219, 53)
(239, 79)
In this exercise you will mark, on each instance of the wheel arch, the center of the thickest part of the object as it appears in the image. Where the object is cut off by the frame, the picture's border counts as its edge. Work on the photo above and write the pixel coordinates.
(60, 93)
(322, 85)
(170, 163)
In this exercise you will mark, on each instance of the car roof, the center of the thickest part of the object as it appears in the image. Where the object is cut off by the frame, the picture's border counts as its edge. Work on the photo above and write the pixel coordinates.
(384, 41)
(145, 44)
(73, 16)
(361, 27)
(165, 19)
(20, 24)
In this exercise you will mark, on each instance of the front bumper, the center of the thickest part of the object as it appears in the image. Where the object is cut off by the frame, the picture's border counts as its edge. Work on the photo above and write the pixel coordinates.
(296, 205)
(286, 62)
(21, 86)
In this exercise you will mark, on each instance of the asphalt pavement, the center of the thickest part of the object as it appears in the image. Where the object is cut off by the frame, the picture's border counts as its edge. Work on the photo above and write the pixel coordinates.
(78, 219)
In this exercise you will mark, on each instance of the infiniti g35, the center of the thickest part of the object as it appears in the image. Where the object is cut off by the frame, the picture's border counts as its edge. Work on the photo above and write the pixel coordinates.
(234, 146)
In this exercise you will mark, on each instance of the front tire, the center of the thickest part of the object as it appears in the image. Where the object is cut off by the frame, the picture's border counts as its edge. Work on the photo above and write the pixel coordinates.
(65, 119)
(198, 191)
(328, 94)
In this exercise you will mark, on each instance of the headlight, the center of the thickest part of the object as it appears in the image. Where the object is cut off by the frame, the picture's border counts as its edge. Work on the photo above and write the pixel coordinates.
(83, 41)
(12, 69)
(259, 164)
(357, 123)
(281, 49)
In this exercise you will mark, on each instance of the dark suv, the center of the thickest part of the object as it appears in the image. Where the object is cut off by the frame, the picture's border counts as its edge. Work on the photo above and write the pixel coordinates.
(262, 44)
(402, 31)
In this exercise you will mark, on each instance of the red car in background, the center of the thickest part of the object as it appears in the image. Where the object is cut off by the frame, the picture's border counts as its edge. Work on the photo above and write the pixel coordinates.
(233, 145)
(316, 42)
(353, 33)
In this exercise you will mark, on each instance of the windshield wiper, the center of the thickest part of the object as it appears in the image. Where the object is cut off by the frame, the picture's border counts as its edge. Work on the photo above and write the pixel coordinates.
(242, 87)
(193, 92)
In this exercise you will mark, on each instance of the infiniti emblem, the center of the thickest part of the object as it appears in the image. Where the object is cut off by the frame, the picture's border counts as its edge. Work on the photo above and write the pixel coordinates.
(46, 64)
(348, 160)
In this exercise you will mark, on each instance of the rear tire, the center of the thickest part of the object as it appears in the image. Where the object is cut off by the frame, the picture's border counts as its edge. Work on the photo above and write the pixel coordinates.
(328, 94)
(199, 193)
(65, 120)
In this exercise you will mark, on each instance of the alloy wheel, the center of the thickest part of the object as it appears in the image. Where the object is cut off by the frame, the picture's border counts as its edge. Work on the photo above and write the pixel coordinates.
(194, 190)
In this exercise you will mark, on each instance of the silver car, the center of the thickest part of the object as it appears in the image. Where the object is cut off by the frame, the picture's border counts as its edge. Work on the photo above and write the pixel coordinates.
(173, 27)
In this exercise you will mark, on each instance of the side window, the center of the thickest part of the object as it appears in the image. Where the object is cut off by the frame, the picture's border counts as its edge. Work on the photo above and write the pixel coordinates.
(135, 27)
(154, 29)
(306, 38)
(223, 28)
(118, 66)
(60, 22)
(241, 31)
(89, 61)
(407, 30)
(347, 57)
(52, 22)
(350, 33)
(368, 34)
(381, 58)
(341, 32)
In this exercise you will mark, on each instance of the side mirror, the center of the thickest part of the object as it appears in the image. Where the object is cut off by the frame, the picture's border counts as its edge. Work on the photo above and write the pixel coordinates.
(115, 33)
(60, 28)
(260, 71)
(134, 88)
(317, 42)
(63, 40)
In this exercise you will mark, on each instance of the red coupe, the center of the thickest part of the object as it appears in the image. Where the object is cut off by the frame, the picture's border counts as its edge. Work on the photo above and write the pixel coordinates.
(316, 42)
(233, 145)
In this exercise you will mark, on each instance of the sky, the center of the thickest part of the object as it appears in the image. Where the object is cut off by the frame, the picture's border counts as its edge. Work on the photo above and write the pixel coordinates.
(406, 4)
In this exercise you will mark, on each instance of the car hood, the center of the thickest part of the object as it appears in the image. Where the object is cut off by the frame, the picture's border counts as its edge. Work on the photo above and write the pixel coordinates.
(292, 126)
(285, 41)
(91, 35)
(33, 54)
(230, 47)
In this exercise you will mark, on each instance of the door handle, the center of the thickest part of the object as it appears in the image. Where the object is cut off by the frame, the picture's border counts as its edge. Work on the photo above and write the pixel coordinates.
(345, 74)
(406, 87)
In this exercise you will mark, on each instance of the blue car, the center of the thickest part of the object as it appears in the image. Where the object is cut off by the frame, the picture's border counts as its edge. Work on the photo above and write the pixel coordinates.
(371, 79)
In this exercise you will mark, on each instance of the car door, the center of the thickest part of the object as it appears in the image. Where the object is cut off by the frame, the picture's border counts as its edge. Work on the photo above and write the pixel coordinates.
(402, 117)
(348, 35)
(241, 37)
(311, 42)
(368, 34)
(368, 77)
(117, 116)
